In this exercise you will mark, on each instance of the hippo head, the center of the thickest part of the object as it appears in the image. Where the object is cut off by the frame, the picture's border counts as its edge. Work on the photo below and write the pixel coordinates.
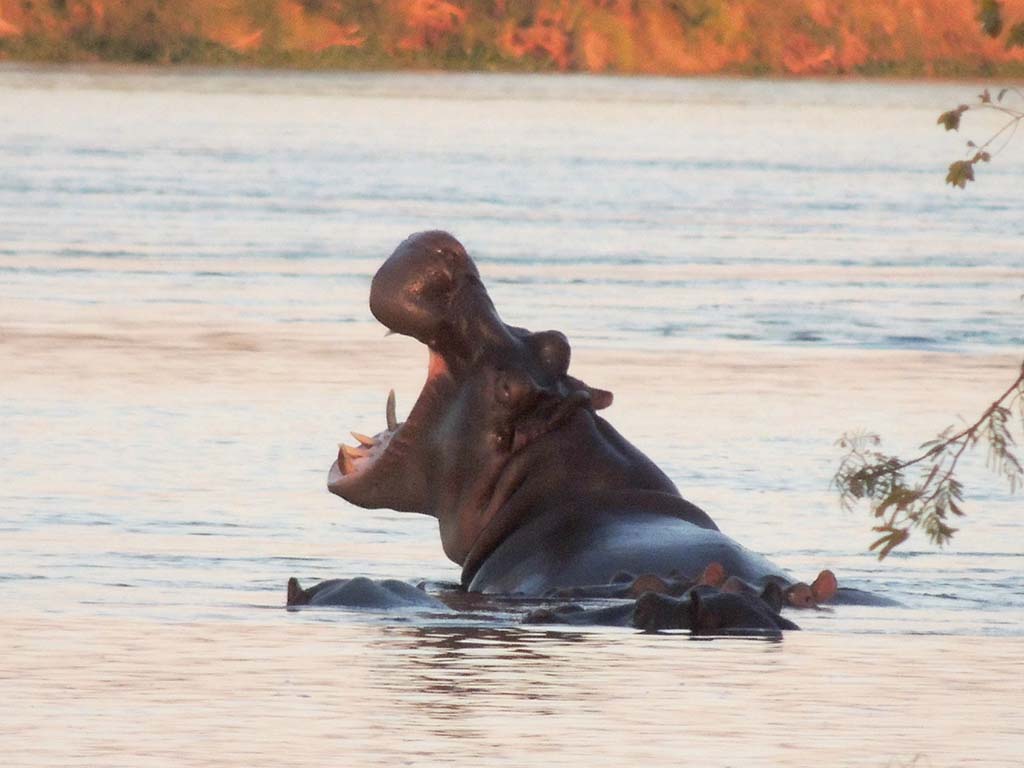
(500, 428)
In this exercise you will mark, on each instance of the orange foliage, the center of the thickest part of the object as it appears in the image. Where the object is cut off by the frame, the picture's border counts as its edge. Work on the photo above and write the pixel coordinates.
(13, 18)
(307, 32)
(596, 51)
(86, 14)
(234, 31)
(643, 36)
(802, 56)
(853, 51)
(428, 23)
(547, 38)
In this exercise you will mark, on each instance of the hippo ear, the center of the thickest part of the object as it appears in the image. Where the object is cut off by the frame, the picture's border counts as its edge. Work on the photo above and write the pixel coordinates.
(698, 613)
(772, 595)
(552, 350)
(824, 587)
(296, 594)
(600, 398)
(713, 575)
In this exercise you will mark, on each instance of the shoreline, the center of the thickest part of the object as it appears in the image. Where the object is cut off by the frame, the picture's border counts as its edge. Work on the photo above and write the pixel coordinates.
(9, 65)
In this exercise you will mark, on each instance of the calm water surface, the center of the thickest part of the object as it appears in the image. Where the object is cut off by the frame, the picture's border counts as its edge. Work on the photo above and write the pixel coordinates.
(753, 267)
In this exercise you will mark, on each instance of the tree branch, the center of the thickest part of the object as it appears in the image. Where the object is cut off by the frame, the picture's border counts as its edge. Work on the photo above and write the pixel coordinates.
(865, 473)
(962, 171)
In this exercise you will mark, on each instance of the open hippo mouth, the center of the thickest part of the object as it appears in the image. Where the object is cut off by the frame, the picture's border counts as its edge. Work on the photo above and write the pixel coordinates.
(381, 470)
(531, 487)
(492, 392)
(374, 453)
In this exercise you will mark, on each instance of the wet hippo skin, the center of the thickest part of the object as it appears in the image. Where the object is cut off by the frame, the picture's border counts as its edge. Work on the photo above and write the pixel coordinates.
(532, 489)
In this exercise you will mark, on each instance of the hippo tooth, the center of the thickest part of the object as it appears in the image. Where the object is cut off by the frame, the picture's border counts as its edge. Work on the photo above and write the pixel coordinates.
(345, 464)
(366, 442)
(389, 409)
(351, 451)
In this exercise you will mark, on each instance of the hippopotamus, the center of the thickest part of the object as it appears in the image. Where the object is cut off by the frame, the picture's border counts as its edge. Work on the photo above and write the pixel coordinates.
(533, 490)
(361, 592)
(702, 611)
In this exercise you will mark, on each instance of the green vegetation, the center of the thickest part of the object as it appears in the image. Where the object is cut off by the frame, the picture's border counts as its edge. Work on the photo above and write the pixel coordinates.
(923, 492)
(962, 171)
(932, 494)
(990, 17)
(929, 497)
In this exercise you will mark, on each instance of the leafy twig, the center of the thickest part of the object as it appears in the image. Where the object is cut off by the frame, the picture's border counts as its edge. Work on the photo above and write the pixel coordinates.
(962, 171)
(926, 501)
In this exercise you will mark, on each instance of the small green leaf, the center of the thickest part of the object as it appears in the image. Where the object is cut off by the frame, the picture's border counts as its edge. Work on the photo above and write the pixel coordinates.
(990, 16)
(856, 488)
(960, 173)
(951, 119)
(889, 542)
(1015, 39)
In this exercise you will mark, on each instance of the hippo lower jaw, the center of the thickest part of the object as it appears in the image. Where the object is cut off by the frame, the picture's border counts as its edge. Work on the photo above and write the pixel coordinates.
(388, 468)
(383, 453)
(381, 470)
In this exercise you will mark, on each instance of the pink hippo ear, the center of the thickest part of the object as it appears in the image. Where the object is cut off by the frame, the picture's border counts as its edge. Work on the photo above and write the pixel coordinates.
(713, 575)
(824, 587)
(600, 398)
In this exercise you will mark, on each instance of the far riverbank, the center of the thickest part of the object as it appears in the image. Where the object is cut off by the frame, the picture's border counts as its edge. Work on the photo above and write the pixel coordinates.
(907, 39)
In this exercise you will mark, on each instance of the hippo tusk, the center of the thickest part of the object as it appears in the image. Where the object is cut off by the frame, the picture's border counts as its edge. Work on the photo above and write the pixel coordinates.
(351, 452)
(390, 411)
(345, 463)
(366, 442)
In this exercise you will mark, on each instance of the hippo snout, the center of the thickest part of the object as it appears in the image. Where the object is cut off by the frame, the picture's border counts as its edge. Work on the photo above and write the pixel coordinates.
(430, 289)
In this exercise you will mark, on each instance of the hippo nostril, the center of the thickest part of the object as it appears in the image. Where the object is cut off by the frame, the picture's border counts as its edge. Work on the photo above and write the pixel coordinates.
(434, 286)
(412, 291)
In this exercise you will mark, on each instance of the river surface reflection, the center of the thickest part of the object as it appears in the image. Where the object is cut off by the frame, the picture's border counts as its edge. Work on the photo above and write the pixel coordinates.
(325, 688)
(184, 337)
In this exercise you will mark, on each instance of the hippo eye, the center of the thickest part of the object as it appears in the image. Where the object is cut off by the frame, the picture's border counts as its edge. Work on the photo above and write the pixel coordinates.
(505, 389)
(553, 350)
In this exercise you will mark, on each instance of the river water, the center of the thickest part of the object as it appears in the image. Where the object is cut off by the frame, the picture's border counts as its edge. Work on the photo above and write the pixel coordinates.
(753, 267)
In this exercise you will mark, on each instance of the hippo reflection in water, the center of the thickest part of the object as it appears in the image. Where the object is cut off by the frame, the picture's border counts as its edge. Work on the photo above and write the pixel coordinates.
(535, 493)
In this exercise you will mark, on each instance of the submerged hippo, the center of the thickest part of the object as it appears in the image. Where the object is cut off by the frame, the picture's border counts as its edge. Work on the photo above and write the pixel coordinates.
(532, 489)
